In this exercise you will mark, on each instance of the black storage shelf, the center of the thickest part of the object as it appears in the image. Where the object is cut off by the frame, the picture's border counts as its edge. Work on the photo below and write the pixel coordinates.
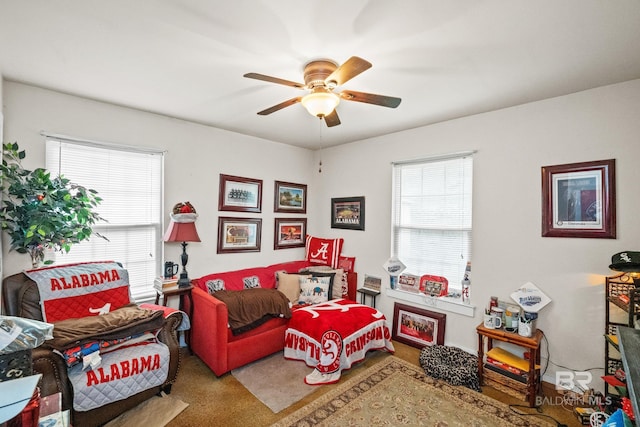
(621, 293)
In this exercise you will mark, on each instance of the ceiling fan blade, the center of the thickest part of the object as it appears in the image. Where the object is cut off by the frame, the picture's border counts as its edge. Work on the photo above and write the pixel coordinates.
(345, 72)
(280, 106)
(370, 98)
(332, 119)
(274, 80)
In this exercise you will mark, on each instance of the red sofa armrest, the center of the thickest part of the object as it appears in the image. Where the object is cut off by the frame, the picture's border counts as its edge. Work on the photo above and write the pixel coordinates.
(209, 330)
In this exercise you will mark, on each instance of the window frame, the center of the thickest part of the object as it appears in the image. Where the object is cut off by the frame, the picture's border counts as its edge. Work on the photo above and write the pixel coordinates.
(143, 274)
(401, 229)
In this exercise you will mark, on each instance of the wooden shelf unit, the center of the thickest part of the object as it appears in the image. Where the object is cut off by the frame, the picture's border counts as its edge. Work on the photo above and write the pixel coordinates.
(524, 391)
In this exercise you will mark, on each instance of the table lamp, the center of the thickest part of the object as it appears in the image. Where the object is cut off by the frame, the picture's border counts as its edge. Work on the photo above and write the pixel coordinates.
(182, 228)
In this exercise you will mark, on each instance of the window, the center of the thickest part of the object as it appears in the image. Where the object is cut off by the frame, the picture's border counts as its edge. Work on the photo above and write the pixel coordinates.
(432, 216)
(130, 183)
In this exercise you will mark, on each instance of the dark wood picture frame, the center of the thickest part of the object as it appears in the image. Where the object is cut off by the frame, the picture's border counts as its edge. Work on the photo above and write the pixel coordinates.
(240, 194)
(579, 200)
(347, 213)
(418, 327)
(290, 197)
(239, 234)
(289, 233)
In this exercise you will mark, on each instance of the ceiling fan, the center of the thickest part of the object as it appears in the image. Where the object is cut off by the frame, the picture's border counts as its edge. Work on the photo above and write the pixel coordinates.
(321, 77)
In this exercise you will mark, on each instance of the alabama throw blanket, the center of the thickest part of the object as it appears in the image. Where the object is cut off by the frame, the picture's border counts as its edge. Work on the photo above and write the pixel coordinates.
(334, 335)
(78, 290)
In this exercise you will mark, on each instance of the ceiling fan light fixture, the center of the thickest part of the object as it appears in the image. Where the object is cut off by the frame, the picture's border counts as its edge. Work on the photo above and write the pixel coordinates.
(320, 103)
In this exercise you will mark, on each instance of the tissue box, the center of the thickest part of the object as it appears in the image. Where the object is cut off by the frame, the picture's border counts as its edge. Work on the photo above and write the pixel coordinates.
(15, 365)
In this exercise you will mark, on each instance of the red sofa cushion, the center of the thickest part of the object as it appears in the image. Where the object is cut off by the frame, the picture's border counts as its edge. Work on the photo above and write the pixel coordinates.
(267, 326)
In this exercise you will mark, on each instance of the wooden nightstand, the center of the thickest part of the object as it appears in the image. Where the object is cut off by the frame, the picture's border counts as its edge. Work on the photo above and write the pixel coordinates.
(179, 292)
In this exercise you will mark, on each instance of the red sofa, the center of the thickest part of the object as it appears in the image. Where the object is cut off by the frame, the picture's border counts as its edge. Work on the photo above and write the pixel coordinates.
(211, 338)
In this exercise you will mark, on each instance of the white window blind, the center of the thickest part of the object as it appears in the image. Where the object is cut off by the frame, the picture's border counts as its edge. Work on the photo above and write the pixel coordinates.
(432, 205)
(130, 184)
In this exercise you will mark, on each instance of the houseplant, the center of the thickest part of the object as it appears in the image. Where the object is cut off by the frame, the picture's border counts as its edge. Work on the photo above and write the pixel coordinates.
(39, 211)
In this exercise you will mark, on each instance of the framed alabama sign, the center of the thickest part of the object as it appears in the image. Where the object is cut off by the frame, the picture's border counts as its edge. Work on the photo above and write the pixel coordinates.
(347, 213)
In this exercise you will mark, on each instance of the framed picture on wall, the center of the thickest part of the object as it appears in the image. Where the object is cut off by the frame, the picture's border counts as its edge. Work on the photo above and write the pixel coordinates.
(239, 234)
(579, 200)
(417, 327)
(290, 197)
(240, 194)
(289, 233)
(347, 213)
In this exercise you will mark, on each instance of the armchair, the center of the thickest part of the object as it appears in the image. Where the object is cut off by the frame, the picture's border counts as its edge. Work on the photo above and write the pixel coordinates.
(21, 297)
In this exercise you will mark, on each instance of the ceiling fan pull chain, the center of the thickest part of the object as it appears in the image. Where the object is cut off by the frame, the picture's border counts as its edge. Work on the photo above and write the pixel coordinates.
(320, 153)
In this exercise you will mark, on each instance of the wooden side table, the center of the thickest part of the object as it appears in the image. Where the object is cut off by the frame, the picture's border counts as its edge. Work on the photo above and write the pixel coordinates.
(530, 389)
(180, 292)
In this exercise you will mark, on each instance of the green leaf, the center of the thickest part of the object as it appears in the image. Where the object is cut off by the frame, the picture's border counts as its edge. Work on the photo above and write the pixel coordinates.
(58, 218)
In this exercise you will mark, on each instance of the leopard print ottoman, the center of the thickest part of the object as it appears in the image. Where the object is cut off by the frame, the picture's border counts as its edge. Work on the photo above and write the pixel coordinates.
(451, 364)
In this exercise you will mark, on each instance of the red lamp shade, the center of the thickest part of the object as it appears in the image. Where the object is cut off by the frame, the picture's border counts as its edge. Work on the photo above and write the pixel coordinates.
(181, 232)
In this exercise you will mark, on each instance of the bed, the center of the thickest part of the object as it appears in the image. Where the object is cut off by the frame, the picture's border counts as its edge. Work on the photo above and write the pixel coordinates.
(333, 335)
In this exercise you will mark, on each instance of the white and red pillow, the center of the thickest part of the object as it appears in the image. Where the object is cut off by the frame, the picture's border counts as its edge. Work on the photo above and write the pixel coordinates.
(323, 251)
(73, 291)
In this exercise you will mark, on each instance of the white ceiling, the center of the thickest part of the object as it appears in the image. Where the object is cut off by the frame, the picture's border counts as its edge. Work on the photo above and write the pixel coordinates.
(445, 59)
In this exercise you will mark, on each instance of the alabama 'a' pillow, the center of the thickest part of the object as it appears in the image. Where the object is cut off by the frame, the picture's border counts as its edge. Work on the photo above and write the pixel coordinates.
(323, 251)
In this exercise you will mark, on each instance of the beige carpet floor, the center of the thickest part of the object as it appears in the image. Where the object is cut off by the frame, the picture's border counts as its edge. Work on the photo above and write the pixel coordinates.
(275, 381)
(157, 412)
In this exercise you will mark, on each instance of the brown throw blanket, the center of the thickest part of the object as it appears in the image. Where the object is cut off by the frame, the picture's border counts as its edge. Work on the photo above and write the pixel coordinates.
(249, 308)
(121, 323)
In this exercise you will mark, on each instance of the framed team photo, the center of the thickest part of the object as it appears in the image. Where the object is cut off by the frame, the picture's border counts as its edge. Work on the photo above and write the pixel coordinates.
(240, 194)
(417, 327)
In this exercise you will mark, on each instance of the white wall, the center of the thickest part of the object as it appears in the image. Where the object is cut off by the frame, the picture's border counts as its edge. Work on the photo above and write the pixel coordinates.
(513, 144)
(1, 133)
(196, 155)
(508, 250)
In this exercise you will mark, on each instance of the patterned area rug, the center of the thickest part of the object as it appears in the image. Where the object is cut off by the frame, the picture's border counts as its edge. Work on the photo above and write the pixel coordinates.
(395, 392)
